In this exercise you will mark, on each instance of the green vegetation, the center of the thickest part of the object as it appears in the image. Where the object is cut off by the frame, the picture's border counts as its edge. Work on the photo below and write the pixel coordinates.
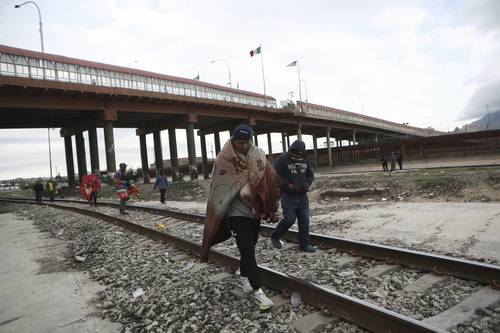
(440, 183)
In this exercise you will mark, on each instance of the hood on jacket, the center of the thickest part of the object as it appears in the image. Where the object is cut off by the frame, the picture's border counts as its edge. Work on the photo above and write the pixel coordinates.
(297, 150)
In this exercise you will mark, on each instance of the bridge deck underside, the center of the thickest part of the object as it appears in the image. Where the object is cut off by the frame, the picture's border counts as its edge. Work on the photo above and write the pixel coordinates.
(24, 106)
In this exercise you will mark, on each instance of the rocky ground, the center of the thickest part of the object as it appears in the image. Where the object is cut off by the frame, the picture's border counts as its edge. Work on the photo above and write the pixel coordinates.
(151, 287)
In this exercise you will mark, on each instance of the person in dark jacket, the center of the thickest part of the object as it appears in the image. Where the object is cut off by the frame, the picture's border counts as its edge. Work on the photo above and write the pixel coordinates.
(296, 176)
(400, 160)
(393, 158)
(383, 159)
(162, 184)
(121, 182)
(38, 188)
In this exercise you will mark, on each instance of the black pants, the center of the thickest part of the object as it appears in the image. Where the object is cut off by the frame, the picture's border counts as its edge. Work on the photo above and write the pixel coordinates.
(246, 231)
(38, 197)
(162, 195)
(93, 198)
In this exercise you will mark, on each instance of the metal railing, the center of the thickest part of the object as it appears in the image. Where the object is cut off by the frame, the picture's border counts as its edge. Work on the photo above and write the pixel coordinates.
(53, 70)
(316, 111)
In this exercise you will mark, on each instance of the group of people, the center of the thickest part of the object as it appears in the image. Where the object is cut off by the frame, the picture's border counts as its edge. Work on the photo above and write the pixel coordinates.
(50, 186)
(391, 157)
(91, 184)
(245, 189)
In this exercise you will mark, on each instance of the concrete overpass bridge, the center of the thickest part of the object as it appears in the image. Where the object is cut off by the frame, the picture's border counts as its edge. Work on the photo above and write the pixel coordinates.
(41, 90)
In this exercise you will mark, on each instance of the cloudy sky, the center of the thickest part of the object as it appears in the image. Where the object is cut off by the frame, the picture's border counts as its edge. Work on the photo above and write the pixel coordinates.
(429, 63)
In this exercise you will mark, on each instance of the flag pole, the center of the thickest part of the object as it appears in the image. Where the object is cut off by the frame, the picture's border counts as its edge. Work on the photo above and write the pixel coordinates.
(263, 76)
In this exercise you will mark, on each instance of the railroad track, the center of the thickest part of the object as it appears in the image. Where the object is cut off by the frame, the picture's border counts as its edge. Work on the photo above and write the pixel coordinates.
(321, 294)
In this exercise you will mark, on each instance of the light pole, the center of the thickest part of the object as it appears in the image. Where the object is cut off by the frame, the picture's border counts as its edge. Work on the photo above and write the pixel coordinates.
(228, 69)
(50, 153)
(39, 19)
(43, 51)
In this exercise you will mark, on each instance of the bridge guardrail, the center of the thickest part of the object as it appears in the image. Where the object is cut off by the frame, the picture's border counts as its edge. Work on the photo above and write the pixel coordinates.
(19, 65)
(322, 112)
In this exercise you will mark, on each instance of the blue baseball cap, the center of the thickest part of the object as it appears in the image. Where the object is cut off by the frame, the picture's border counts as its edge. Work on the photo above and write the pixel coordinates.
(242, 132)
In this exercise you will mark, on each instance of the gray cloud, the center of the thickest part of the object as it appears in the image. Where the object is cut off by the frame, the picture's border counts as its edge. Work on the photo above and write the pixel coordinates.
(488, 94)
(484, 14)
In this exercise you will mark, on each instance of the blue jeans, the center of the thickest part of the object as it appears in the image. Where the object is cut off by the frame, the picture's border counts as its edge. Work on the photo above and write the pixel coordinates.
(294, 206)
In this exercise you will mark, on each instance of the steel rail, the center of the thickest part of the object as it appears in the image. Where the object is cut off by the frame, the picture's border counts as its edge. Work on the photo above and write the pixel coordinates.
(371, 317)
(439, 264)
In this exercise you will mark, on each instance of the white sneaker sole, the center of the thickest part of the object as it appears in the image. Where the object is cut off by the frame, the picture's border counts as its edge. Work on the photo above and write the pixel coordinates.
(264, 307)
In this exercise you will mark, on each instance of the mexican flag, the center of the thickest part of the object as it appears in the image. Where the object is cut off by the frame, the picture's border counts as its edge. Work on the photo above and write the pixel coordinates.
(254, 52)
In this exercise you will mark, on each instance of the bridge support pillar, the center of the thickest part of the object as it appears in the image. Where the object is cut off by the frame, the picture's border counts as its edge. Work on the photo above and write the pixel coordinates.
(299, 132)
(174, 160)
(109, 142)
(80, 156)
(70, 166)
(204, 158)
(287, 142)
(329, 147)
(283, 141)
(376, 137)
(193, 171)
(354, 138)
(256, 139)
(270, 147)
(315, 150)
(94, 150)
(158, 151)
(217, 143)
(144, 158)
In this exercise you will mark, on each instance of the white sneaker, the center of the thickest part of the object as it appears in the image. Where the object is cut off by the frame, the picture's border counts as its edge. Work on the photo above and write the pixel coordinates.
(262, 300)
(245, 285)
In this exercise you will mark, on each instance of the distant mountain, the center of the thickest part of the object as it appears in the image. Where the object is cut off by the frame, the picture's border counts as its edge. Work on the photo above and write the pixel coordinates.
(486, 122)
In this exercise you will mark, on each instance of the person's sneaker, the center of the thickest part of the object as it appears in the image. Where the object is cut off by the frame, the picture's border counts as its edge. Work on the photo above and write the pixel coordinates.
(245, 285)
(276, 243)
(262, 300)
(309, 249)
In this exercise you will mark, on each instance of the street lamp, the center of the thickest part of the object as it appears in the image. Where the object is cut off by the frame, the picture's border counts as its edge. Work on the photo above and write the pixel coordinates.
(39, 19)
(43, 51)
(228, 69)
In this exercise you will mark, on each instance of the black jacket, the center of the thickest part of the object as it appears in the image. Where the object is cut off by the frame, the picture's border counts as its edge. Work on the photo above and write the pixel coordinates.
(295, 172)
(38, 188)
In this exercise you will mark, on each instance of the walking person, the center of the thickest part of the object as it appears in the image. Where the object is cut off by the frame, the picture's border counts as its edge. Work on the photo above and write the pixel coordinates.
(393, 158)
(244, 189)
(89, 187)
(51, 189)
(162, 184)
(296, 178)
(383, 159)
(38, 188)
(399, 158)
(122, 183)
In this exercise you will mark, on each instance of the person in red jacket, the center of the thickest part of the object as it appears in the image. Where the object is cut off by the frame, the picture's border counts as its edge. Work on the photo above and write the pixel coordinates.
(89, 187)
